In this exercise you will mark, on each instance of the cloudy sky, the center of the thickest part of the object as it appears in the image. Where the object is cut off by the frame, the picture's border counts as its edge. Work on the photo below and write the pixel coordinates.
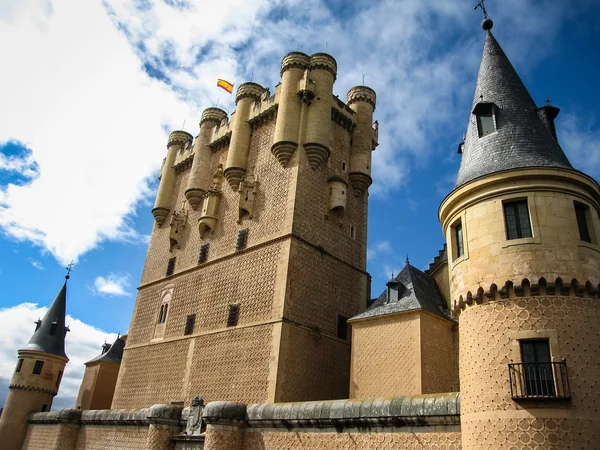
(90, 89)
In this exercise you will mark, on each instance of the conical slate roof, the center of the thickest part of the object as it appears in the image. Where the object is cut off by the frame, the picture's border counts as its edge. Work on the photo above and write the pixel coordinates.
(113, 354)
(49, 337)
(521, 139)
(416, 291)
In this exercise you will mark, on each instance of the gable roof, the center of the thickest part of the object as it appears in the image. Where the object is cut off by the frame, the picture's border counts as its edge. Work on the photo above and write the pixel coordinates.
(114, 354)
(416, 291)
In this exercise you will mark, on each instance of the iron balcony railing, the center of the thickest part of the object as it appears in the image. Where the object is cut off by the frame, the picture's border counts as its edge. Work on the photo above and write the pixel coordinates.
(539, 381)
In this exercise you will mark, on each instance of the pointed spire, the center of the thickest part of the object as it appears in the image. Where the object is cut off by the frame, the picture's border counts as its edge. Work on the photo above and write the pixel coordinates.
(49, 336)
(515, 136)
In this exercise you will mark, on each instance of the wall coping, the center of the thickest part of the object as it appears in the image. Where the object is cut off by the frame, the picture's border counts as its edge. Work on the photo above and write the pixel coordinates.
(415, 410)
(156, 414)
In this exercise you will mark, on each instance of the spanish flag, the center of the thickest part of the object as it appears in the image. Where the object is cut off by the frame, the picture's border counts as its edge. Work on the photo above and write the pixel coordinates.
(225, 85)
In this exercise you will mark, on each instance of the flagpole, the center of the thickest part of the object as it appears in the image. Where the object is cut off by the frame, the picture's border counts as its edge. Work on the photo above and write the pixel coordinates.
(217, 105)
(230, 98)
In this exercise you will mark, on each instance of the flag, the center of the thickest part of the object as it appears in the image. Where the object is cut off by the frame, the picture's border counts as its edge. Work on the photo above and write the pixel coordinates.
(225, 85)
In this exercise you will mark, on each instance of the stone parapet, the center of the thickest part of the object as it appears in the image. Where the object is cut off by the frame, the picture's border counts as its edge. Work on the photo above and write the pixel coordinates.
(249, 90)
(323, 61)
(295, 60)
(179, 137)
(361, 94)
(215, 115)
(418, 410)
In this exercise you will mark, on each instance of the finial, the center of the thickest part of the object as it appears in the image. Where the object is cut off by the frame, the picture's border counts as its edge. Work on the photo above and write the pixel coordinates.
(407, 262)
(69, 269)
(547, 101)
(487, 23)
(392, 274)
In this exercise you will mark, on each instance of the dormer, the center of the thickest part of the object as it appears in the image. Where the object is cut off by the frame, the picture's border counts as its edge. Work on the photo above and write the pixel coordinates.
(485, 115)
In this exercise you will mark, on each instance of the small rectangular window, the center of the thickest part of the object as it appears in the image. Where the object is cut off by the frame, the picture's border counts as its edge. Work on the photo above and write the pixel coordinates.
(342, 327)
(171, 266)
(19, 365)
(190, 322)
(37, 369)
(460, 250)
(242, 240)
(203, 257)
(485, 122)
(53, 328)
(59, 378)
(582, 212)
(44, 407)
(516, 215)
(232, 318)
(352, 231)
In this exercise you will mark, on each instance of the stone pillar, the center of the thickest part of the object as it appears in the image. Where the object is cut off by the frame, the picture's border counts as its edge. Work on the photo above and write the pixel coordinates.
(317, 139)
(163, 423)
(239, 147)
(285, 141)
(164, 196)
(362, 101)
(200, 177)
(29, 393)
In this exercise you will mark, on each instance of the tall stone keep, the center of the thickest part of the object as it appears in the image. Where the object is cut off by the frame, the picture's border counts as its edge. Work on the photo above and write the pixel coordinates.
(37, 375)
(524, 264)
(245, 295)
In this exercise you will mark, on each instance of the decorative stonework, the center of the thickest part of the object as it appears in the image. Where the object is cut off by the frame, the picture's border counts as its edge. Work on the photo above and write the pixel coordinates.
(208, 217)
(178, 223)
(360, 182)
(323, 61)
(179, 137)
(220, 142)
(295, 60)
(317, 154)
(283, 151)
(234, 175)
(249, 90)
(160, 214)
(266, 116)
(526, 289)
(248, 190)
(214, 115)
(341, 119)
(362, 94)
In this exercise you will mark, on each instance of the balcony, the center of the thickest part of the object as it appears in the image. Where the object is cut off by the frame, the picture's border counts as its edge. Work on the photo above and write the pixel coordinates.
(539, 381)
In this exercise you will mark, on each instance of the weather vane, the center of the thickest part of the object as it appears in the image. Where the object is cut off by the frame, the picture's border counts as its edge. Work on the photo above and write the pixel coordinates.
(487, 22)
(69, 270)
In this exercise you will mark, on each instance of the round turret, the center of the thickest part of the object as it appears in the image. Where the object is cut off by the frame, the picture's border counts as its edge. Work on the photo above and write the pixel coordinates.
(239, 146)
(200, 177)
(179, 137)
(362, 100)
(361, 94)
(323, 61)
(294, 60)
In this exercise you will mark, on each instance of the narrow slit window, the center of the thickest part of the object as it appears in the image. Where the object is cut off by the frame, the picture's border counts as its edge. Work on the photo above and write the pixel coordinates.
(516, 215)
(203, 257)
(37, 368)
(582, 212)
(19, 365)
(242, 240)
(352, 231)
(59, 378)
(171, 266)
(232, 317)
(190, 322)
(458, 232)
(44, 407)
(342, 327)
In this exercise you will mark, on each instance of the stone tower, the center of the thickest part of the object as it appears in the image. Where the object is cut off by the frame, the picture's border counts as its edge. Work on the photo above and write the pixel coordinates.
(524, 258)
(258, 254)
(37, 375)
(100, 377)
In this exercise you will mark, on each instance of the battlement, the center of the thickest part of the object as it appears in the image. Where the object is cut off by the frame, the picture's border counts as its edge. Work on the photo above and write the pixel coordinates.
(214, 115)
(179, 137)
(361, 94)
(295, 60)
(323, 61)
(249, 90)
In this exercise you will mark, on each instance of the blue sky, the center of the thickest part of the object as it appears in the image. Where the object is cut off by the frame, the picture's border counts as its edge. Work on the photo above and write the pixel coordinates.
(89, 90)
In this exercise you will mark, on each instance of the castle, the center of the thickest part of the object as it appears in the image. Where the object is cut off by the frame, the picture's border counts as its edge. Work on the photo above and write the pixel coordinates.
(255, 294)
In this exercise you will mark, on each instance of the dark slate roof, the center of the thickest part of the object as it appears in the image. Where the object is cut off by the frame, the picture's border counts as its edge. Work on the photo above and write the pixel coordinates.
(51, 333)
(416, 291)
(521, 139)
(114, 354)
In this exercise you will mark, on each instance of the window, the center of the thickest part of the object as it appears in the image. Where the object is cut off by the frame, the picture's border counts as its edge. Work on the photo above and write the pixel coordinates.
(44, 407)
(162, 315)
(342, 327)
(458, 234)
(189, 324)
(171, 266)
(352, 231)
(59, 378)
(242, 240)
(37, 369)
(484, 111)
(203, 254)
(582, 212)
(53, 328)
(516, 215)
(232, 318)
(19, 365)
(343, 166)
(537, 369)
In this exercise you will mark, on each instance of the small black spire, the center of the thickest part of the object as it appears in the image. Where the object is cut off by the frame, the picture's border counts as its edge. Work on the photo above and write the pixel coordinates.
(49, 335)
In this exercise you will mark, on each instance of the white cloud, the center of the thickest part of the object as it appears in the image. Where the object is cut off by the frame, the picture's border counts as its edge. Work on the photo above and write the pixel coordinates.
(38, 265)
(113, 285)
(82, 344)
(580, 140)
(378, 248)
(78, 98)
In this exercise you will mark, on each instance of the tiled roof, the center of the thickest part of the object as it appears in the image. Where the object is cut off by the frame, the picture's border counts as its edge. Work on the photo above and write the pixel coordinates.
(416, 291)
(49, 337)
(113, 354)
(521, 139)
